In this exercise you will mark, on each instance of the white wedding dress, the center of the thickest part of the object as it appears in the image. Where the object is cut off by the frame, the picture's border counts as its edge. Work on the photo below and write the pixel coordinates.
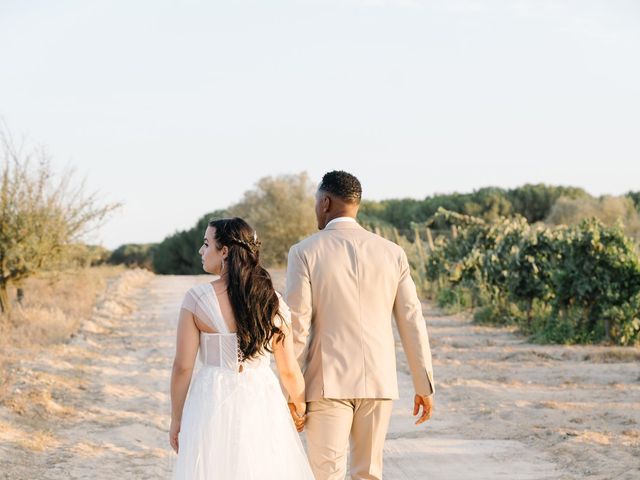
(235, 425)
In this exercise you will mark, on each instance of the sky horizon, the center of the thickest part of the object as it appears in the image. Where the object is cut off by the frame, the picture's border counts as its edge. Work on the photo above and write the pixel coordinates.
(176, 109)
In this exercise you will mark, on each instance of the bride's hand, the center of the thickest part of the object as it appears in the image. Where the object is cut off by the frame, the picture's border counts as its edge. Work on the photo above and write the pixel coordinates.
(174, 430)
(298, 414)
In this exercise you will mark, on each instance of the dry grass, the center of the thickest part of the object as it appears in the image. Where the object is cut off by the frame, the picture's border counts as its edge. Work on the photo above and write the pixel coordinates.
(96, 396)
(614, 355)
(54, 305)
(43, 378)
(27, 439)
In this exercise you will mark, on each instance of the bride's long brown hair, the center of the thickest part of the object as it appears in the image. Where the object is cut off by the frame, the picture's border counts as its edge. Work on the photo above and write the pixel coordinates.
(253, 299)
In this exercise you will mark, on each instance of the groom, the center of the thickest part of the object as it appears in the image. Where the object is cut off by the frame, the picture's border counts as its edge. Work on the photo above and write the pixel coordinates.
(343, 285)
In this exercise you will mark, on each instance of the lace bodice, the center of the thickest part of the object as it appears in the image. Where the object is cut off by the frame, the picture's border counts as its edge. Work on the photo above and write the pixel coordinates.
(221, 349)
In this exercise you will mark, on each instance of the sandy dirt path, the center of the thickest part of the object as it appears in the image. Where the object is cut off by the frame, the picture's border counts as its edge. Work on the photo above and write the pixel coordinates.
(505, 409)
(108, 415)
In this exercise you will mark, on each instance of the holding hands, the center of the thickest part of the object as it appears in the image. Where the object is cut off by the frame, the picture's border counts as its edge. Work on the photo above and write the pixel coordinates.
(298, 414)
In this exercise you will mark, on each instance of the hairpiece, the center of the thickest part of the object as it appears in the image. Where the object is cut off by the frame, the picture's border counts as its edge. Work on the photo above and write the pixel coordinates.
(252, 248)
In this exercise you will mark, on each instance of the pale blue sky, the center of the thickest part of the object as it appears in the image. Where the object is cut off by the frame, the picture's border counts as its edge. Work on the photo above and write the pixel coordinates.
(176, 108)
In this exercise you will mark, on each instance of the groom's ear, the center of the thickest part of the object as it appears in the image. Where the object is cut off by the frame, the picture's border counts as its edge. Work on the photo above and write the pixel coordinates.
(326, 203)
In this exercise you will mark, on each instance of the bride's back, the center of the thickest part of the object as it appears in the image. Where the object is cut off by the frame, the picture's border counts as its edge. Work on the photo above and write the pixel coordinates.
(214, 317)
(221, 293)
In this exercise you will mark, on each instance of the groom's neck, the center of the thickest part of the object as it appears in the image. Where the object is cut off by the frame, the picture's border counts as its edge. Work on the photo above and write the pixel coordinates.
(340, 214)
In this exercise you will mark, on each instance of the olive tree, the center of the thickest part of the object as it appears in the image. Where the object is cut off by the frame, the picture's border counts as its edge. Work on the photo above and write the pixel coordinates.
(281, 209)
(608, 209)
(42, 215)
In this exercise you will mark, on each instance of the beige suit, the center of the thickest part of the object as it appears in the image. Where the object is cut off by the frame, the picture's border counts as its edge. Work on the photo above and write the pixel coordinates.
(343, 285)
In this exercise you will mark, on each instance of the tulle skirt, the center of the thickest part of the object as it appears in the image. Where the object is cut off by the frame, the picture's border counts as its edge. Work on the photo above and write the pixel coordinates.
(238, 426)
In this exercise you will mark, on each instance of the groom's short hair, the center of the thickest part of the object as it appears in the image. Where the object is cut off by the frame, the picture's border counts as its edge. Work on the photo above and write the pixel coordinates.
(343, 185)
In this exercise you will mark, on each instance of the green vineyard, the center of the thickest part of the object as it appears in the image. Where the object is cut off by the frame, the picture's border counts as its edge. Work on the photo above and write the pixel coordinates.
(558, 284)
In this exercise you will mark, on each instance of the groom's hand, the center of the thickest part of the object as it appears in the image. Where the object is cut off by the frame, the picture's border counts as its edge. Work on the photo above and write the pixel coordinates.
(298, 420)
(427, 407)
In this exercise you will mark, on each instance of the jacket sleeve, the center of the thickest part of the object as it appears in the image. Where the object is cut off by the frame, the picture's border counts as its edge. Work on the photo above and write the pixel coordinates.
(407, 311)
(298, 297)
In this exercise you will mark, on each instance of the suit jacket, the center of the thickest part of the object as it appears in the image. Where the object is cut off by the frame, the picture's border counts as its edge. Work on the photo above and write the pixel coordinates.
(343, 286)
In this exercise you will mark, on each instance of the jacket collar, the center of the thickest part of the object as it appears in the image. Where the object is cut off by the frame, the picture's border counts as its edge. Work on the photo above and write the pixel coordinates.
(343, 226)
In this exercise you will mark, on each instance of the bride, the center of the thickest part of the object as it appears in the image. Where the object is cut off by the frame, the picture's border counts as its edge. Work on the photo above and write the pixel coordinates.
(234, 423)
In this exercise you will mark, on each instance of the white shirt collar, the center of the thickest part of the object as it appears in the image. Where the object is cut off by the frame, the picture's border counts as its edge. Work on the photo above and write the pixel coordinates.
(341, 219)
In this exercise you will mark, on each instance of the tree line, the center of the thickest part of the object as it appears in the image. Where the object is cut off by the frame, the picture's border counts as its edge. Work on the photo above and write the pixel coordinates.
(535, 202)
(560, 263)
(281, 209)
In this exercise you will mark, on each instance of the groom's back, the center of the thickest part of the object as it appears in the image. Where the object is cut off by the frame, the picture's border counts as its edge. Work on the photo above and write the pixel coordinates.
(354, 276)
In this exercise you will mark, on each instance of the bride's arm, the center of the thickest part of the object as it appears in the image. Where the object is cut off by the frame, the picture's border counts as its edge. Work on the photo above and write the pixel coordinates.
(288, 368)
(187, 343)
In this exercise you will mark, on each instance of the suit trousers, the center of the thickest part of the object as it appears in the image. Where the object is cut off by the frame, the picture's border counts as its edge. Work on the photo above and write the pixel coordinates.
(333, 424)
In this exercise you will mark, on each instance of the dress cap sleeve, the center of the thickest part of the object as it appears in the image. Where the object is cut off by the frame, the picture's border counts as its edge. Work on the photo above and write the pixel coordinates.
(190, 301)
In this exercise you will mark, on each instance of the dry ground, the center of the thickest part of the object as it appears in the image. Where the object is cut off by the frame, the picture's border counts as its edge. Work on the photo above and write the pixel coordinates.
(98, 406)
